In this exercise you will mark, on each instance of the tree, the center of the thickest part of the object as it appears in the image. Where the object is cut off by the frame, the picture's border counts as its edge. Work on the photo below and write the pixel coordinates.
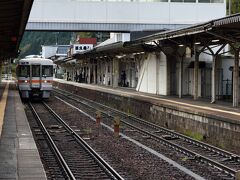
(235, 6)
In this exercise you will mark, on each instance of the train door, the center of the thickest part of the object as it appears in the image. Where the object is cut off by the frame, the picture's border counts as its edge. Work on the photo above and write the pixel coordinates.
(35, 76)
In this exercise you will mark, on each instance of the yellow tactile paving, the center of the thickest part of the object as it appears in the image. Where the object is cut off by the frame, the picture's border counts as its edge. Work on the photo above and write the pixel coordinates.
(3, 103)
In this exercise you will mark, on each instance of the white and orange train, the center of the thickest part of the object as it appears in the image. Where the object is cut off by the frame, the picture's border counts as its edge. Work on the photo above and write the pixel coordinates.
(35, 77)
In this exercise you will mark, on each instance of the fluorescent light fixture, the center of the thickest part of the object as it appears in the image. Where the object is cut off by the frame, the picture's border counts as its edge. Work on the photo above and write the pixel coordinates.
(120, 56)
(138, 53)
(180, 45)
(197, 43)
(215, 40)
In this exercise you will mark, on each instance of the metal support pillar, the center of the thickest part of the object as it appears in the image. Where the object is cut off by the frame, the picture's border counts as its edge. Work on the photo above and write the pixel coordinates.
(180, 77)
(94, 74)
(236, 79)
(115, 72)
(196, 67)
(89, 74)
(98, 72)
(102, 72)
(214, 68)
(106, 73)
(111, 72)
(157, 72)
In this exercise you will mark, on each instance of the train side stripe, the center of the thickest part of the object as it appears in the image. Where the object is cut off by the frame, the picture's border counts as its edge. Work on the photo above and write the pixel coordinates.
(35, 81)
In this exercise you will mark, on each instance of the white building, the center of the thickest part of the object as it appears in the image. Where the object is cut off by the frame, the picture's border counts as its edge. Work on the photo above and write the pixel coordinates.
(122, 15)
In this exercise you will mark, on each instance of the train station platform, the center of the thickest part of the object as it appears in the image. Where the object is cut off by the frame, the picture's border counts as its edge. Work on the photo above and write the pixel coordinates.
(217, 124)
(19, 157)
(220, 109)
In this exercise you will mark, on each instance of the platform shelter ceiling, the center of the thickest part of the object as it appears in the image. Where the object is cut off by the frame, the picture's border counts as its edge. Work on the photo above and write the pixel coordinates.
(13, 19)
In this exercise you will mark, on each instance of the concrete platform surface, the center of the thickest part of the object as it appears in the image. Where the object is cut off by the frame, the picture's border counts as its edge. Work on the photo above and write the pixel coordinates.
(221, 110)
(216, 124)
(19, 157)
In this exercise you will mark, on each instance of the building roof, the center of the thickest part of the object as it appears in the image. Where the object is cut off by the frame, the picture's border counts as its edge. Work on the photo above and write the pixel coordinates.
(13, 19)
(114, 49)
(87, 40)
(225, 29)
(219, 31)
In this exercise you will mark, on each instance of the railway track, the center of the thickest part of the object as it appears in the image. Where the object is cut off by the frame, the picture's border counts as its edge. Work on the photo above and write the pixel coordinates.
(53, 168)
(75, 157)
(224, 161)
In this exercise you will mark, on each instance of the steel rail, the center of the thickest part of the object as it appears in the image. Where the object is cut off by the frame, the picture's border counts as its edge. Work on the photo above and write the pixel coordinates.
(178, 147)
(182, 149)
(209, 147)
(53, 145)
(196, 155)
(93, 153)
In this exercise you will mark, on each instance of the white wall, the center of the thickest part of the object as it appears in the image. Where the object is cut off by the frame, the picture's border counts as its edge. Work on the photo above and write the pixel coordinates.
(188, 75)
(148, 75)
(163, 75)
(120, 37)
(48, 51)
(147, 80)
(77, 11)
(227, 74)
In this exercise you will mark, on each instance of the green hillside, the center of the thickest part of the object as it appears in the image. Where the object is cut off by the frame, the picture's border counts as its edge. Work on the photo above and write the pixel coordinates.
(32, 40)
(235, 6)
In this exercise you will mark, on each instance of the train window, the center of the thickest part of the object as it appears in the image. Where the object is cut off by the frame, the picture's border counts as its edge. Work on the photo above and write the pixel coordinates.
(24, 70)
(204, 1)
(47, 71)
(35, 71)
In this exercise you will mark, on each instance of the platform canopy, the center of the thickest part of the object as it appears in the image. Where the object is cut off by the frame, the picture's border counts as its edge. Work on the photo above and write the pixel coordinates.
(219, 31)
(215, 32)
(13, 19)
(113, 49)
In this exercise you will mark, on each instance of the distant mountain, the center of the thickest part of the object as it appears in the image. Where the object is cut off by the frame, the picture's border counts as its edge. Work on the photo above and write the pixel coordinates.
(32, 40)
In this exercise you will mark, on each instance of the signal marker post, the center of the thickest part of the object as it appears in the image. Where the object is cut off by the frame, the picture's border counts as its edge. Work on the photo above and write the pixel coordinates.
(98, 117)
(98, 121)
(116, 126)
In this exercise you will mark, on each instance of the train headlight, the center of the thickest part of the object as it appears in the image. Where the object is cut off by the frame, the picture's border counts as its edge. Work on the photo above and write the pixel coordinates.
(25, 81)
(45, 81)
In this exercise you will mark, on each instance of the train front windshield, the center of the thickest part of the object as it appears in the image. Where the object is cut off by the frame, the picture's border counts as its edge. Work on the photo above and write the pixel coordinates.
(24, 71)
(47, 71)
(35, 70)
